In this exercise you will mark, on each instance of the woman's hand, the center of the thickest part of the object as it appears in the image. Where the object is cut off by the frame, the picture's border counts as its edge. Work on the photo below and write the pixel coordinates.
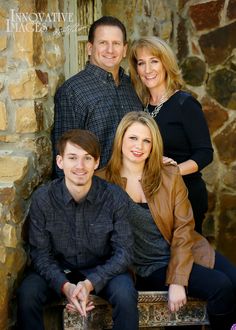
(168, 161)
(176, 297)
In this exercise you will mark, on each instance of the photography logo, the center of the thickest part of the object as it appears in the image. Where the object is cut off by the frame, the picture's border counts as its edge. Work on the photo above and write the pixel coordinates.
(60, 23)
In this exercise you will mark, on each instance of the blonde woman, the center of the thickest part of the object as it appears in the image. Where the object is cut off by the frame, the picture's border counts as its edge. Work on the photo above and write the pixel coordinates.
(169, 254)
(157, 80)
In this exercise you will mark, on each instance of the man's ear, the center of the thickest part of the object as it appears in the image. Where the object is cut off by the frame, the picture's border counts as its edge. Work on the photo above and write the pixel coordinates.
(125, 50)
(97, 163)
(59, 161)
(89, 48)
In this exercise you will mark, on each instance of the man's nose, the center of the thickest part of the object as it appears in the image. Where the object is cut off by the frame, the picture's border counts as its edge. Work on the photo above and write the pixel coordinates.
(80, 163)
(110, 47)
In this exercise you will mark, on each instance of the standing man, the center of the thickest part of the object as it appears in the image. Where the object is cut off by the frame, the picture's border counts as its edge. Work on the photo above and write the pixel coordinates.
(80, 240)
(100, 95)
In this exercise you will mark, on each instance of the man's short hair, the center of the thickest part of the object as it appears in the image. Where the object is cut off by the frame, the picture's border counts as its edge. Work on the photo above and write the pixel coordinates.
(107, 21)
(82, 138)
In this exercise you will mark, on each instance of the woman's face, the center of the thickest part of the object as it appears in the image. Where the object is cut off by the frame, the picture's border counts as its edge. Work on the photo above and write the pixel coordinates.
(137, 143)
(150, 69)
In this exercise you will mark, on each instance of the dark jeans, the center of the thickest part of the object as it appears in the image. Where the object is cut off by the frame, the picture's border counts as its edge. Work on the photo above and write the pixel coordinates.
(34, 293)
(217, 286)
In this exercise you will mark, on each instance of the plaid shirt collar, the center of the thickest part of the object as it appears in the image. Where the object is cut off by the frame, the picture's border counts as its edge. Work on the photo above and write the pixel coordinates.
(101, 73)
(91, 196)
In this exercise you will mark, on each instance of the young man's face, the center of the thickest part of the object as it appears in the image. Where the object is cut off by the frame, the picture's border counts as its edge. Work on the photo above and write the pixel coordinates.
(108, 48)
(78, 166)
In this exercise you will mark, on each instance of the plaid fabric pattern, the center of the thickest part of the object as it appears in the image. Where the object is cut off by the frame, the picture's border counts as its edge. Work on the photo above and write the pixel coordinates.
(92, 236)
(91, 100)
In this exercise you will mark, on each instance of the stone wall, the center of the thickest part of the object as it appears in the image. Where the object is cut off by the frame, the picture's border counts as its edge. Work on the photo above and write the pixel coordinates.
(31, 67)
(202, 33)
(31, 64)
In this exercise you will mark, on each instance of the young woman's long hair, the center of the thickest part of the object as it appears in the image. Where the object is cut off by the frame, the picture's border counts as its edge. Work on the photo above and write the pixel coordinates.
(151, 178)
(160, 49)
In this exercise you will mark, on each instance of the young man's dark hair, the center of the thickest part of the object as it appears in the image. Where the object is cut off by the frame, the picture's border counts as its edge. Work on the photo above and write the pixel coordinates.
(108, 21)
(83, 138)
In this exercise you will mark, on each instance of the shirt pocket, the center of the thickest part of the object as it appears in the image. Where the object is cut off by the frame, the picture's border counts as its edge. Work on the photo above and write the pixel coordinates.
(100, 237)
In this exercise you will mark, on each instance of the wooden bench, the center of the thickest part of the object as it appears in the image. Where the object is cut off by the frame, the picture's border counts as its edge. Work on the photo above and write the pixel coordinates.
(153, 313)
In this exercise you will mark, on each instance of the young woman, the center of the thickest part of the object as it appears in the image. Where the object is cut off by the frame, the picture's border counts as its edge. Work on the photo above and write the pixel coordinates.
(169, 254)
(156, 77)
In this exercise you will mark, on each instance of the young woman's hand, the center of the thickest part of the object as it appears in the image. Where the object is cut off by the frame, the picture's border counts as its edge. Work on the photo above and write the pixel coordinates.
(176, 297)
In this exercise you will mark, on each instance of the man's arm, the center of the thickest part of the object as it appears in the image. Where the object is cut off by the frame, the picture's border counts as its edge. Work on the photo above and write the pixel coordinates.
(41, 249)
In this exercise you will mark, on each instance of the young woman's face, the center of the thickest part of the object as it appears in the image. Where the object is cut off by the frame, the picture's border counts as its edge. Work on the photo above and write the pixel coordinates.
(150, 69)
(137, 143)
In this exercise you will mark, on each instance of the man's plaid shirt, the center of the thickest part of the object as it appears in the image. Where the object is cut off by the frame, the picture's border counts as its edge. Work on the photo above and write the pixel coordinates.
(92, 236)
(91, 100)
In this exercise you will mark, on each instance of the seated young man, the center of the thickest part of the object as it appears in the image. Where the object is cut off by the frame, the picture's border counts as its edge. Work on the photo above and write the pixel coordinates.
(80, 240)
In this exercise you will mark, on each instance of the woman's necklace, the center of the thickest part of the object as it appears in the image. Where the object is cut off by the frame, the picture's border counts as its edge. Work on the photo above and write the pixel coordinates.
(158, 107)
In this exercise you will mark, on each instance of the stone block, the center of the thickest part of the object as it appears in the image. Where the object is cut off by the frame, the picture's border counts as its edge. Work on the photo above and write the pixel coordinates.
(13, 168)
(3, 254)
(194, 71)
(23, 45)
(7, 194)
(26, 120)
(231, 9)
(199, 13)
(221, 85)
(225, 143)
(217, 45)
(215, 115)
(28, 87)
(4, 299)
(3, 42)
(3, 19)
(9, 236)
(54, 55)
(15, 260)
(3, 117)
(3, 64)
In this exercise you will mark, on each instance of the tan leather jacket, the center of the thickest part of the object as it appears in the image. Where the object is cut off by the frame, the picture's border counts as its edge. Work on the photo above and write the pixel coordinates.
(172, 212)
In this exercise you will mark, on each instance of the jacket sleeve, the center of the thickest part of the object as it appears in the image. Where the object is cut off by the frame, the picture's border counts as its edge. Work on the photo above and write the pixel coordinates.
(181, 258)
(41, 251)
(197, 132)
(121, 241)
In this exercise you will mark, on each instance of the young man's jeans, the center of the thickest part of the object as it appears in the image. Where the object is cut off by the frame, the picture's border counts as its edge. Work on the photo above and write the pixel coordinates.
(34, 293)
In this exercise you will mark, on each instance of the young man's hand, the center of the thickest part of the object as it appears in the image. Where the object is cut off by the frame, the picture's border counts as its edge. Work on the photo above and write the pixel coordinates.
(78, 297)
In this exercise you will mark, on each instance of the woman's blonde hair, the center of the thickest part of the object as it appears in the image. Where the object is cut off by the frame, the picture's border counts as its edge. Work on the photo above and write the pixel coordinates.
(160, 49)
(151, 178)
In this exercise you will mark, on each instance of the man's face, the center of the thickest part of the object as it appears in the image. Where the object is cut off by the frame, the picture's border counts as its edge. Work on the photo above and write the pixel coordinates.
(108, 48)
(78, 166)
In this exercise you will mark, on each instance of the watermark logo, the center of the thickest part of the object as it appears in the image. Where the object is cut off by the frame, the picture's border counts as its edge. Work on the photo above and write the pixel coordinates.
(41, 22)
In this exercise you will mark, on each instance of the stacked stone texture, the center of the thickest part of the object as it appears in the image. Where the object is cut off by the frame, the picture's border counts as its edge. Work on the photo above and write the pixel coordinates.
(31, 64)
